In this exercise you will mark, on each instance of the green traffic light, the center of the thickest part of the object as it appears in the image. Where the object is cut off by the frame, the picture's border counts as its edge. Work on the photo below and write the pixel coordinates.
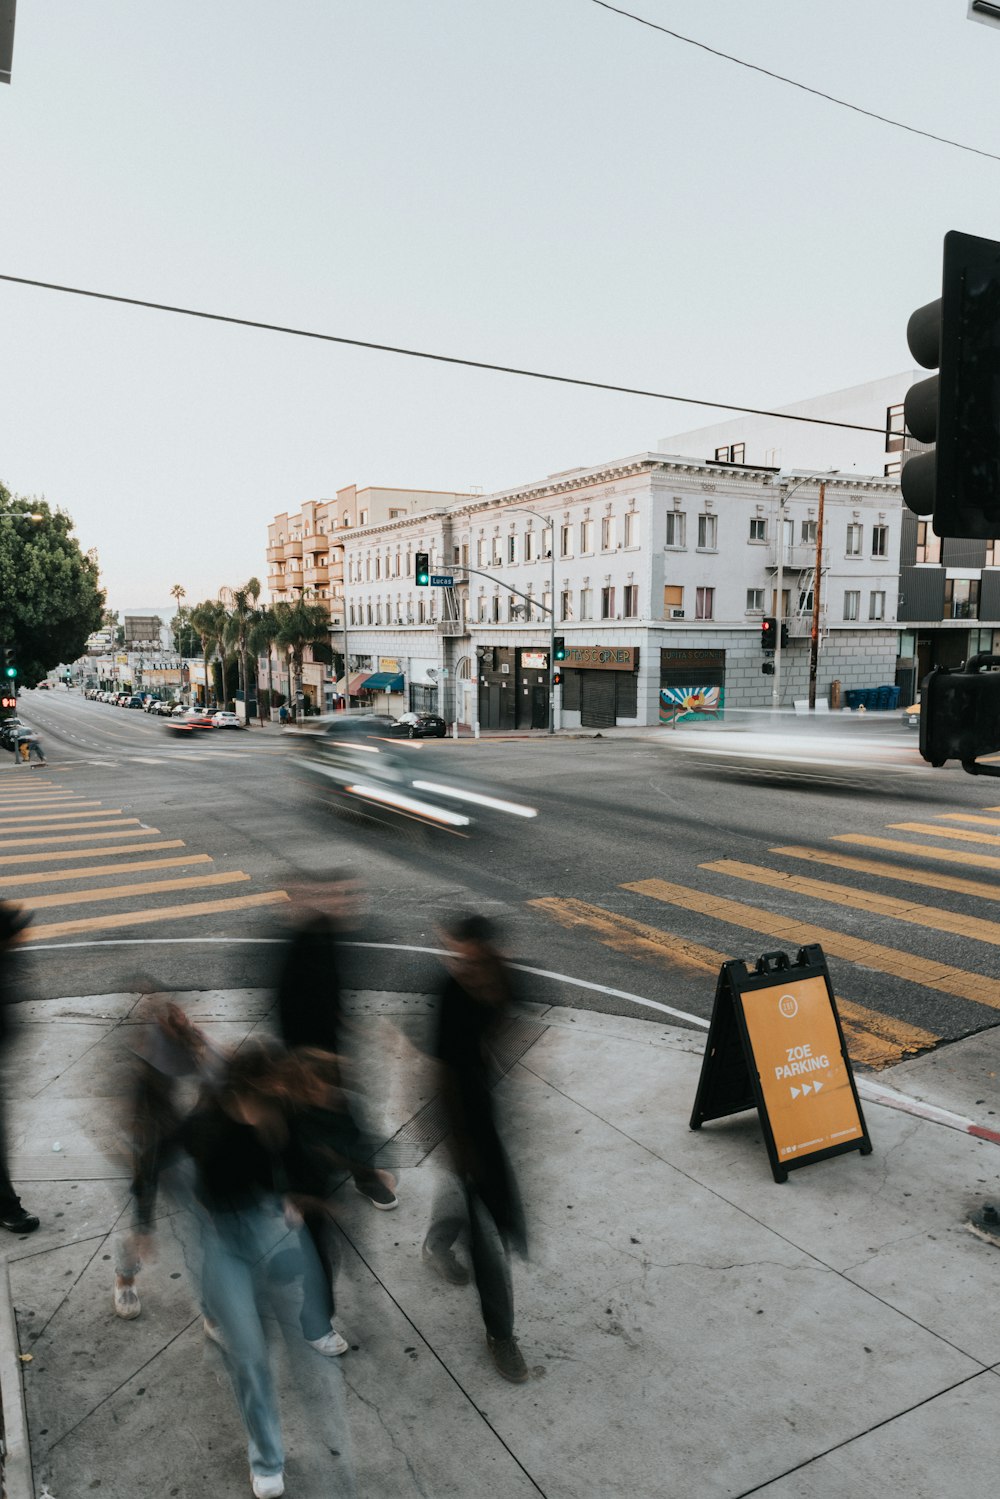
(10, 671)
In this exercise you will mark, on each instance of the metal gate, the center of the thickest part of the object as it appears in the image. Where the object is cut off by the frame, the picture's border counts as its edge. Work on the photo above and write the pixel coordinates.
(597, 699)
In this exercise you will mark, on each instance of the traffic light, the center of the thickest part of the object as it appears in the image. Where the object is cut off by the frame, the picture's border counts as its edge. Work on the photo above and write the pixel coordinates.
(559, 647)
(768, 632)
(767, 668)
(958, 409)
(423, 569)
(557, 679)
(960, 714)
(784, 634)
(9, 663)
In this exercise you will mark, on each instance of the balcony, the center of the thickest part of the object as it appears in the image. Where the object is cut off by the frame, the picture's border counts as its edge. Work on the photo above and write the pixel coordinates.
(451, 627)
(275, 553)
(314, 577)
(799, 556)
(292, 549)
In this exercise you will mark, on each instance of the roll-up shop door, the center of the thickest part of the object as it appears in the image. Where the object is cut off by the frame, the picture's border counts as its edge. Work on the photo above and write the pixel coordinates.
(597, 699)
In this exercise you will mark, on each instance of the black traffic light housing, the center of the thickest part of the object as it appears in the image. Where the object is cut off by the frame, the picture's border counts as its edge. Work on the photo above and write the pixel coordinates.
(9, 663)
(423, 569)
(784, 634)
(559, 647)
(768, 632)
(958, 409)
(960, 714)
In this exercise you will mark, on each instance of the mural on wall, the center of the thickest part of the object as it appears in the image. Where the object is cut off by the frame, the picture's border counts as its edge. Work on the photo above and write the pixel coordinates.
(679, 703)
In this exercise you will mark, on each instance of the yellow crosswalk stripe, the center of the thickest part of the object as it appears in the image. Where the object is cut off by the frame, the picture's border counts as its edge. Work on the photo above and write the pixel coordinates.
(957, 835)
(143, 887)
(46, 931)
(873, 1039)
(901, 873)
(961, 856)
(93, 853)
(120, 831)
(54, 799)
(46, 876)
(935, 918)
(990, 822)
(908, 966)
(39, 818)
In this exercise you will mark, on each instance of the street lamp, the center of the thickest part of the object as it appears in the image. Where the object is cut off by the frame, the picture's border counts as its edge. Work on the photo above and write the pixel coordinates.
(550, 523)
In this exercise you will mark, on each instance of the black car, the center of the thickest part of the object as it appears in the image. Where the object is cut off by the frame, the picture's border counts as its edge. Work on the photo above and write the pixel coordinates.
(421, 726)
(9, 730)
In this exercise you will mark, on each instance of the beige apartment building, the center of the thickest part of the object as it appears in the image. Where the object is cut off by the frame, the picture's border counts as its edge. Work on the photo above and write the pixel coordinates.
(305, 555)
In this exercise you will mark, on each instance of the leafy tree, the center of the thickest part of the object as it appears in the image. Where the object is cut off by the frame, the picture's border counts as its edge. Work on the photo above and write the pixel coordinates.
(242, 614)
(209, 619)
(301, 624)
(50, 595)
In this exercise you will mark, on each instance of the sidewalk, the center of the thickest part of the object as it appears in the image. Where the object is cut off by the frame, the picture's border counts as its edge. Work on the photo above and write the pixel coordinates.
(693, 1329)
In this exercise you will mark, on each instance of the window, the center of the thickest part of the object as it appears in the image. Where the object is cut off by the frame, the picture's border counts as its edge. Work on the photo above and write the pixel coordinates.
(673, 600)
(566, 604)
(880, 541)
(498, 551)
(586, 603)
(806, 601)
(396, 514)
(496, 609)
(737, 452)
(755, 601)
(631, 601)
(893, 469)
(708, 531)
(547, 602)
(961, 598)
(547, 542)
(586, 536)
(876, 604)
(990, 554)
(722, 455)
(481, 552)
(420, 612)
(809, 531)
(607, 603)
(852, 603)
(786, 602)
(482, 608)
(368, 569)
(378, 614)
(929, 545)
(362, 517)
(514, 608)
(566, 541)
(895, 429)
(608, 537)
(631, 528)
(758, 528)
(512, 547)
(378, 567)
(704, 602)
(409, 563)
(530, 546)
(675, 528)
(368, 614)
(854, 539)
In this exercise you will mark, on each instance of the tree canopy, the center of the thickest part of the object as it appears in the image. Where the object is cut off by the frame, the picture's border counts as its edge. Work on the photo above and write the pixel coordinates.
(50, 594)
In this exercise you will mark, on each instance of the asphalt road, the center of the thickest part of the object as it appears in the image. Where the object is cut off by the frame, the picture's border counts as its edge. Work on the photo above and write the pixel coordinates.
(643, 870)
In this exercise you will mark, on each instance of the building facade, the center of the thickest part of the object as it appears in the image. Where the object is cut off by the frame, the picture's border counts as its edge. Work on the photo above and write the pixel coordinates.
(660, 572)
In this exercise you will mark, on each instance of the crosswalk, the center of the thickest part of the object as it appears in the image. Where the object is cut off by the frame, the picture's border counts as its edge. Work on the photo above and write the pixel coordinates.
(805, 894)
(63, 852)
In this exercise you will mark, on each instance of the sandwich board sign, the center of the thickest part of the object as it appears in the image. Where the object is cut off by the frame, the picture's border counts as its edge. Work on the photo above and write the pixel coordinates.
(775, 1044)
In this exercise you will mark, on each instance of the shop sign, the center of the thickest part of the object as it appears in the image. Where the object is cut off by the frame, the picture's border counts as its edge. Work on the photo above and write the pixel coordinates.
(534, 660)
(389, 663)
(693, 657)
(603, 657)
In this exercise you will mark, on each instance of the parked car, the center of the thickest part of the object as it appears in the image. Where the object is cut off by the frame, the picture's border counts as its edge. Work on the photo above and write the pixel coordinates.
(227, 721)
(189, 721)
(911, 716)
(135, 701)
(9, 730)
(422, 725)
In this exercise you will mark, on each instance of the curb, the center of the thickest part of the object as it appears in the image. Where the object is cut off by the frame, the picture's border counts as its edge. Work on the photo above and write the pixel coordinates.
(17, 1477)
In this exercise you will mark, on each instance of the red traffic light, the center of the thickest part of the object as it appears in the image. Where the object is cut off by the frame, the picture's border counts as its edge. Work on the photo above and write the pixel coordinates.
(768, 632)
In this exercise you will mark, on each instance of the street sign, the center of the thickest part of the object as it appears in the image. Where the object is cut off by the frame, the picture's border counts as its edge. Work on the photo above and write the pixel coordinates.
(775, 1044)
(442, 580)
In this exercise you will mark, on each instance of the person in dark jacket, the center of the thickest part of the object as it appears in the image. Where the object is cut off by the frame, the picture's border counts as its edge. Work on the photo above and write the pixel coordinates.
(13, 920)
(482, 1196)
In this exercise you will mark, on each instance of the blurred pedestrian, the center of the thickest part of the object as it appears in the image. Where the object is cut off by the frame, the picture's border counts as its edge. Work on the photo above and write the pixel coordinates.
(13, 920)
(482, 1196)
(29, 744)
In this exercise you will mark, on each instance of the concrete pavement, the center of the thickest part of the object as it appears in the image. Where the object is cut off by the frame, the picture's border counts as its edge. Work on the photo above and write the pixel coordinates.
(692, 1328)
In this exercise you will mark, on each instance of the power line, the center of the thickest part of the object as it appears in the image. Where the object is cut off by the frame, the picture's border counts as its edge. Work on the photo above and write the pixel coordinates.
(475, 364)
(741, 62)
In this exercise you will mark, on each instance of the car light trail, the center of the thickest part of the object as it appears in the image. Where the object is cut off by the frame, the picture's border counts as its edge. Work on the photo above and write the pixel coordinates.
(409, 804)
(514, 808)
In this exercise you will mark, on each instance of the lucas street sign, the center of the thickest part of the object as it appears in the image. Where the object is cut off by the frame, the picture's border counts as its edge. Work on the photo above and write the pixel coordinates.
(442, 580)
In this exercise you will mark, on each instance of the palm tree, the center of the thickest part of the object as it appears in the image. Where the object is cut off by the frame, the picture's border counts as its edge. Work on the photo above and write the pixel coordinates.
(177, 593)
(301, 624)
(243, 610)
(263, 632)
(209, 619)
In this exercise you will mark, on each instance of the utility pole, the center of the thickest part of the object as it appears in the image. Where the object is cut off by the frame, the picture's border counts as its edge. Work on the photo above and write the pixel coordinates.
(778, 611)
(814, 638)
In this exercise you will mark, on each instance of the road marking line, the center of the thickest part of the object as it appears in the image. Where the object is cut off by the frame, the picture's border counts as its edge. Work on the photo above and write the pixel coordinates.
(144, 887)
(33, 817)
(46, 876)
(935, 918)
(119, 832)
(874, 1039)
(36, 932)
(8, 841)
(923, 850)
(958, 835)
(93, 853)
(899, 872)
(908, 966)
(31, 799)
(990, 822)
(147, 760)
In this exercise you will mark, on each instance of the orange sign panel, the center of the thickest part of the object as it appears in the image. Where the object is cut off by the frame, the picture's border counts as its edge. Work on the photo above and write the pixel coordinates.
(807, 1088)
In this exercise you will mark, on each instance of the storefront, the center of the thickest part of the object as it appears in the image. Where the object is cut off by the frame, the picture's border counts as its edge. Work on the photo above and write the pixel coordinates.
(383, 691)
(692, 684)
(600, 682)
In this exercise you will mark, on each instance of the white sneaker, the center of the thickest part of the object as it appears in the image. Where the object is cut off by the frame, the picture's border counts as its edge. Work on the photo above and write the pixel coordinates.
(331, 1345)
(127, 1303)
(267, 1485)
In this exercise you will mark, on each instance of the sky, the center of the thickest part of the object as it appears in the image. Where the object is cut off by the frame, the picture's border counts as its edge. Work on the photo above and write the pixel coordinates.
(539, 183)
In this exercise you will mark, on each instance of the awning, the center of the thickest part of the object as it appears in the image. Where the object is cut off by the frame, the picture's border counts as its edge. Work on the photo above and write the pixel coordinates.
(385, 681)
(358, 679)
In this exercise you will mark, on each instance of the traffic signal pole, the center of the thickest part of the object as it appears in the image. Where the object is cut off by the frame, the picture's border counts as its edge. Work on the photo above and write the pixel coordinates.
(814, 633)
